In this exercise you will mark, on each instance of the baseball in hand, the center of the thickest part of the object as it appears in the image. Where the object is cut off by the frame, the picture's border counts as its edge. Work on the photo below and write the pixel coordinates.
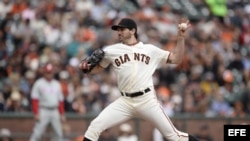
(183, 26)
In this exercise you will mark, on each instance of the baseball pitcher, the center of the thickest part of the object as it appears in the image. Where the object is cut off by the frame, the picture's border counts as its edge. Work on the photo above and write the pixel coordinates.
(134, 63)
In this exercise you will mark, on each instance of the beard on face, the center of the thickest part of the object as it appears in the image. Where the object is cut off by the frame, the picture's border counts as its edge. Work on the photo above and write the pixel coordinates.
(125, 37)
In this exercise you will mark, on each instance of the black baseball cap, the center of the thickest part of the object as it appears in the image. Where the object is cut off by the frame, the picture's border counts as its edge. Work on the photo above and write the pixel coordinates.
(125, 23)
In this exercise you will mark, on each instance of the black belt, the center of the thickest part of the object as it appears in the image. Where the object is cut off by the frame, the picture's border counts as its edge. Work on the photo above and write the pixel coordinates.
(135, 94)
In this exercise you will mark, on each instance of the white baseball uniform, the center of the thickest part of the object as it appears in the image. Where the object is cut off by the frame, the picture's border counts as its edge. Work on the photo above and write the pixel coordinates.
(134, 67)
(49, 95)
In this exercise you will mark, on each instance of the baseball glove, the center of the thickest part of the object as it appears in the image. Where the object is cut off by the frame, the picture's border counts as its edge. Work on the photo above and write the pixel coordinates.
(91, 61)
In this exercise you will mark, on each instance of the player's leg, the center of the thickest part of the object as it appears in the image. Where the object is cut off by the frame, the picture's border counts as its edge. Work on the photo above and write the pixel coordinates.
(153, 112)
(117, 112)
(40, 125)
(56, 125)
(165, 126)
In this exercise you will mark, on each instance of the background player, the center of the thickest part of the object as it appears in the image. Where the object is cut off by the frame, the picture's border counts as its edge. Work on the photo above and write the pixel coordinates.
(47, 105)
(134, 64)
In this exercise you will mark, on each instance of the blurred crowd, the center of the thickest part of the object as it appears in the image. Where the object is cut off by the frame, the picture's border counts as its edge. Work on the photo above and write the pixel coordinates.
(213, 79)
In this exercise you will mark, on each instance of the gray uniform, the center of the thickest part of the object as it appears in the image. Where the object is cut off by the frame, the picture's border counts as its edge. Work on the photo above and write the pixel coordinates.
(49, 94)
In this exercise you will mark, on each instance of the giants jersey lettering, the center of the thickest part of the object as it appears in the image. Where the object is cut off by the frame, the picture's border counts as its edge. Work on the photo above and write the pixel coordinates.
(137, 56)
(142, 61)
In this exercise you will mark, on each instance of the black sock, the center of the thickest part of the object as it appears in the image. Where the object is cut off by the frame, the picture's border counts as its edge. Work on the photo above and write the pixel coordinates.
(192, 138)
(86, 139)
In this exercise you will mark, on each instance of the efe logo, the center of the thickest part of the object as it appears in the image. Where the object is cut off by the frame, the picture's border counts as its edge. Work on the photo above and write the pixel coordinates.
(237, 132)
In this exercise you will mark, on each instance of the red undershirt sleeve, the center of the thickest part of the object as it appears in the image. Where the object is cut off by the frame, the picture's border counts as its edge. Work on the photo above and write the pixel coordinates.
(35, 103)
(61, 107)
